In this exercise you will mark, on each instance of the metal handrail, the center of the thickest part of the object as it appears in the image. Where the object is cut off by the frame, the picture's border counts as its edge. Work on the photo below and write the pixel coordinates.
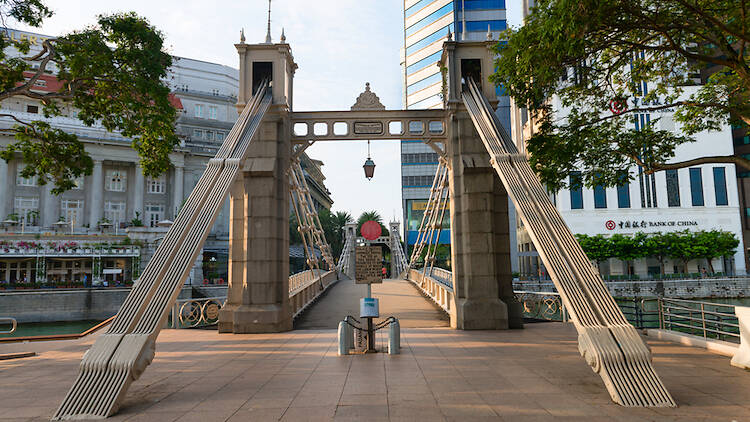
(693, 316)
(13, 324)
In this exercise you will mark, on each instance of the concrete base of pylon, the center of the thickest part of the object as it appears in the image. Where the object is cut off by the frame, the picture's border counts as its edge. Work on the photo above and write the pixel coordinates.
(255, 319)
(480, 314)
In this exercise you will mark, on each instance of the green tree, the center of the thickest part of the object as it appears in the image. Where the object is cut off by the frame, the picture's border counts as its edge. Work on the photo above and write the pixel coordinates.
(607, 62)
(340, 220)
(112, 73)
(374, 216)
(598, 248)
(683, 248)
(659, 245)
(714, 244)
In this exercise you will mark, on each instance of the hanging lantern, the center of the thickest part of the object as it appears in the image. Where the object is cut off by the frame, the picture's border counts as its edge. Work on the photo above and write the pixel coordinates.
(369, 165)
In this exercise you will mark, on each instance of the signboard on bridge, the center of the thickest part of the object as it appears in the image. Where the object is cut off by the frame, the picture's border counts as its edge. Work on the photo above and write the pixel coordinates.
(368, 264)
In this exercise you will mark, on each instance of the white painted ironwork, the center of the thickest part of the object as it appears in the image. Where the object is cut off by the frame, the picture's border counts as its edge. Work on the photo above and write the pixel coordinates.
(346, 260)
(196, 312)
(399, 262)
(119, 356)
(432, 221)
(308, 222)
(436, 289)
(610, 345)
(11, 322)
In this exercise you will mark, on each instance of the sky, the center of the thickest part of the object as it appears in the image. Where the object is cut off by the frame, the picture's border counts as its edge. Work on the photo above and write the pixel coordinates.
(338, 44)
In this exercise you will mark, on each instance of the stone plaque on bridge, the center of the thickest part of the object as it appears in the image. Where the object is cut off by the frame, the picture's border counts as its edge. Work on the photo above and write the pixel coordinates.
(368, 128)
(369, 264)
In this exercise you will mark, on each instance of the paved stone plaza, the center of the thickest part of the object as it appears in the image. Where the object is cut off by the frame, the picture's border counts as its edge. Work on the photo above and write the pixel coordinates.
(442, 374)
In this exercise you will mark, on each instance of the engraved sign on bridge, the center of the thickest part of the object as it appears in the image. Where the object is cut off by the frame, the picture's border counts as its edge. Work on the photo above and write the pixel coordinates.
(368, 128)
(368, 264)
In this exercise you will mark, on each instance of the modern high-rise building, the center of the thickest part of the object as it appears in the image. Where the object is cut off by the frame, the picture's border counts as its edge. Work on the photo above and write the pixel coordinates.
(427, 24)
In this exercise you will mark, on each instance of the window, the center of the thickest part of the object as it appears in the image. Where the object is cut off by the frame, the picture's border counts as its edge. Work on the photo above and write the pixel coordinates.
(421, 64)
(696, 187)
(219, 136)
(623, 194)
(114, 211)
(32, 109)
(72, 211)
(117, 181)
(154, 214)
(481, 26)
(435, 36)
(673, 188)
(156, 185)
(199, 110)
(600, 197)
(432, 17)
(24, 181)
(720, 186)
(197, 134)
(419, 158)
(417, 181)
(424, 83)
(213, 112)
(27, 208)
(481, 4)
(209, 135)
(576, 191)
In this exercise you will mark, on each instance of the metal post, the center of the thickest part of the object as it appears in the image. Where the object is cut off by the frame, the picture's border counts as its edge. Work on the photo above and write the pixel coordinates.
(703, 319)
(394, 337)
(370, 336)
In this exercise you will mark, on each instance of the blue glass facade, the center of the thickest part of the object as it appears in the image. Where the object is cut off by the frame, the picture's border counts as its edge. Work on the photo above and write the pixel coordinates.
(720, 186)
(426, 26)
(576, 191)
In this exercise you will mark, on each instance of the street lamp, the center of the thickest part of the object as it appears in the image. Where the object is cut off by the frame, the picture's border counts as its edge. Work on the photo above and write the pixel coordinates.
(369, 164)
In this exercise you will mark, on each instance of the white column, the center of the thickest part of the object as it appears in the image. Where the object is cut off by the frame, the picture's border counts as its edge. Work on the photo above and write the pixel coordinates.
(4, 197)
(97, 194)
(51, 210)
(138, 191)
(178, 189)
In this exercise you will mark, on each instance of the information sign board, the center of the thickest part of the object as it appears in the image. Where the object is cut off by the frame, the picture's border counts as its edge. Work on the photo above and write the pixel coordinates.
(368, 264)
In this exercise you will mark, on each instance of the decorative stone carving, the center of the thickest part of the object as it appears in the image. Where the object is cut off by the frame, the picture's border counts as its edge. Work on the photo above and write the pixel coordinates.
(367, 101)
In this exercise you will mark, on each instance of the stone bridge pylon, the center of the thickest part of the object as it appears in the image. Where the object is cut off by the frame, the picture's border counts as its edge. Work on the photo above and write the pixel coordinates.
(484, 172)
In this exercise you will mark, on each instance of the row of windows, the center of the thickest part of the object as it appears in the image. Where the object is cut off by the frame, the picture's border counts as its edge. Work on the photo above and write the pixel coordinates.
(116, 181)
(424, 83)
(481, 26)
(417, 181)
(460, 5)
(435, 36)
(420, 158)
(480, 4)
(426, 103)
(71, 210)
(213, 111)
(421, 64)
(673, 190)
(208, 135)
(432, 17)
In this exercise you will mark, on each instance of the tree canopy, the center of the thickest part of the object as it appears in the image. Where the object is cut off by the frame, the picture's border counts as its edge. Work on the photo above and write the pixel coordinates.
(112, 73)
(608, 63)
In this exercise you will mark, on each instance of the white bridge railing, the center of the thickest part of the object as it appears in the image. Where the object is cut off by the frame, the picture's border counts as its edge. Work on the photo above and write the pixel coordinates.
(439, 289)
(306, 286)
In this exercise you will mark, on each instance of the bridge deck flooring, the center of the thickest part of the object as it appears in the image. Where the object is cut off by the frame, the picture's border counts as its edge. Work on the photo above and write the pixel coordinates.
(518, 375)
(396, 297)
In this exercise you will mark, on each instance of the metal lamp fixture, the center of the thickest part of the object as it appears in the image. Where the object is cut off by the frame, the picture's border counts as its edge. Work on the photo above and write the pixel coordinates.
(369, 164)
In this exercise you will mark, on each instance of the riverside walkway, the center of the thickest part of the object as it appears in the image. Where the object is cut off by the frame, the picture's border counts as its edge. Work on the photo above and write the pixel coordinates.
(534, 374)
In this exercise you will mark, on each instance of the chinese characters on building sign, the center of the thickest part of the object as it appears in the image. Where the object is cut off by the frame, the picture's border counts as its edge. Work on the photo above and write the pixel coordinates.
(633, 224)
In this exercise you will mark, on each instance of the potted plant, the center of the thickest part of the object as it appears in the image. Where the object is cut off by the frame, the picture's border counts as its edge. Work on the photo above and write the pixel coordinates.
(136, 221)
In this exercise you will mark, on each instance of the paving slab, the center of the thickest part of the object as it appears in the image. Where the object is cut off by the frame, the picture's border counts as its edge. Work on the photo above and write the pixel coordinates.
(534, 374)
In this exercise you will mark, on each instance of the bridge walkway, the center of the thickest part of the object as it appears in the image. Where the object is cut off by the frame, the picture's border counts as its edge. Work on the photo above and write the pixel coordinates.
(398, 298)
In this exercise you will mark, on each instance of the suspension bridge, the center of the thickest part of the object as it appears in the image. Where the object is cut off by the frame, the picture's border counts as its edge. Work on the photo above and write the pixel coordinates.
(453, 368)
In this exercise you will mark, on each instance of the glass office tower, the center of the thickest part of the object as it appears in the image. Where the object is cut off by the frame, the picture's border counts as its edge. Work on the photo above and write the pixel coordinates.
(426, 27)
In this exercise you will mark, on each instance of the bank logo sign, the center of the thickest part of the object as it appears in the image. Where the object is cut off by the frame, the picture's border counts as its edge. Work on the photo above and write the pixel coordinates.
(633, 224)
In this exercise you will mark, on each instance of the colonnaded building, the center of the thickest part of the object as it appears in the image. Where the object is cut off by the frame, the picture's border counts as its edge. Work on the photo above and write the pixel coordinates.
(106, 228)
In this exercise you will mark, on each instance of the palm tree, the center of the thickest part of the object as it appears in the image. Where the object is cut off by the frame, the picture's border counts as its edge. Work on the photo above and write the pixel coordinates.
(374, 216)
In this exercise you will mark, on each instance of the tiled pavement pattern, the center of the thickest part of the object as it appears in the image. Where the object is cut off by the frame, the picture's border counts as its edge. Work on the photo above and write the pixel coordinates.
(533, 374)
(396, 297)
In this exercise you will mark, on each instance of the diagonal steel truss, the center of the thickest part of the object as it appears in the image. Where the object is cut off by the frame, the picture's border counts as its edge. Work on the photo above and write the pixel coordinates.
(432, 220)
(308, 221)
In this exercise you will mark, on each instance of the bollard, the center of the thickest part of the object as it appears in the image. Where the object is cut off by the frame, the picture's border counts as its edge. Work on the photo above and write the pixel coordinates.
(394, 337)
(343, 338)
(349, 334)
